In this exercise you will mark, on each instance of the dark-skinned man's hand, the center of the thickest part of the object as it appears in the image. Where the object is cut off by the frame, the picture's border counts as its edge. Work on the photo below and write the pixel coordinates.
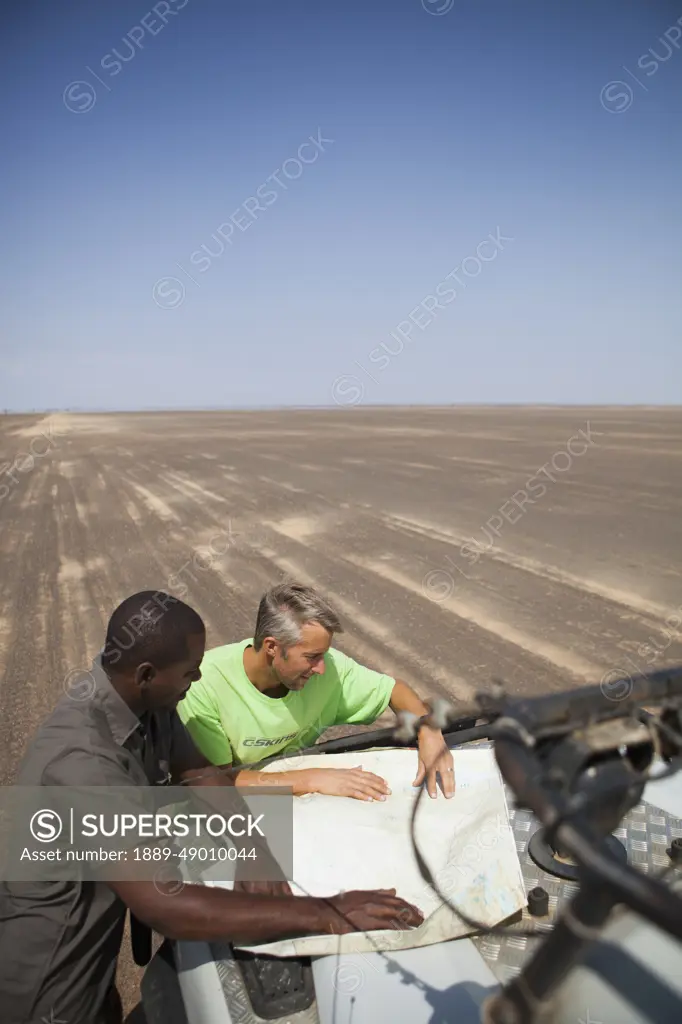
(372, 911)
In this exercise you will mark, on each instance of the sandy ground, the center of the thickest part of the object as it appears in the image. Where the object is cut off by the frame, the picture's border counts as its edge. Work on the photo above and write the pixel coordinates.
(539, 547)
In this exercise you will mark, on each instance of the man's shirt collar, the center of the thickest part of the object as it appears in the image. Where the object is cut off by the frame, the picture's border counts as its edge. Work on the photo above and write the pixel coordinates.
(122, 720)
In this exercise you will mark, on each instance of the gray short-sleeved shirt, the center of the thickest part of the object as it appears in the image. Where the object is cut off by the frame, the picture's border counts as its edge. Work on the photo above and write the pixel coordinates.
(59, 940)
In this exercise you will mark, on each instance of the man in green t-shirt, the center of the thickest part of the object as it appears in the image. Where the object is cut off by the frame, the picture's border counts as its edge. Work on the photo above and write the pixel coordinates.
(277, 692)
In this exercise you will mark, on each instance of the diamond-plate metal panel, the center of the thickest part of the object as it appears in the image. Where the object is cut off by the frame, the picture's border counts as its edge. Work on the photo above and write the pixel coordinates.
(646, 833)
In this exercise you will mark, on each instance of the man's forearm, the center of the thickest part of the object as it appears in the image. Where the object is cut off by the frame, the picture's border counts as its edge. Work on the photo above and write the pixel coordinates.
(403, 698)
(229, 775)
(246, 919)
(208, 775)
(298, 781)
(197, 913)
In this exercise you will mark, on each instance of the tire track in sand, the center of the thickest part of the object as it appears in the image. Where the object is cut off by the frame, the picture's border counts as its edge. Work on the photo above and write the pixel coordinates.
(532, 566)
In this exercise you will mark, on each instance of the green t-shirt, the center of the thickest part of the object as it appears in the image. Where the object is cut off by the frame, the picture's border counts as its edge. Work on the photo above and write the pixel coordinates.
(232, 722)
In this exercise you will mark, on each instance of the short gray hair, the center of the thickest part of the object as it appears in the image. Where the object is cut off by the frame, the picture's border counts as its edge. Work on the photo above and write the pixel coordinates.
(284, 609)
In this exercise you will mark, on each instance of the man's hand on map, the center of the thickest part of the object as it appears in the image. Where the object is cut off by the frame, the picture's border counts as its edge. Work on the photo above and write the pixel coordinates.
(353, 782)
(371, 911)
(435, 757)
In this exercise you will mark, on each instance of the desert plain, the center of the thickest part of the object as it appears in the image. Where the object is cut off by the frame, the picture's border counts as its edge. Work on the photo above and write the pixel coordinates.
(539, 547)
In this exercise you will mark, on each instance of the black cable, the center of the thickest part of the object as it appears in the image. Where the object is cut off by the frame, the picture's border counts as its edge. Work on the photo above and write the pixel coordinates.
(502, 930)
(667, 730)
(494, 930)
(427, 875)
(539, 932)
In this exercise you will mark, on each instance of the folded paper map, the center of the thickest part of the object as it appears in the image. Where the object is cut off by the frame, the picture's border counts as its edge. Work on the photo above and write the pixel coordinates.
(341, 844)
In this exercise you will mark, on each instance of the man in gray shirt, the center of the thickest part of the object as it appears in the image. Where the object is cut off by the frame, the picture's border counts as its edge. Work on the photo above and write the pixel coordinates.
(59, 940)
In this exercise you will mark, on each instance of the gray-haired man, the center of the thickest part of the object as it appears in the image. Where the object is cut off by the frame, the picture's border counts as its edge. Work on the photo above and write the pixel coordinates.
(278, 691)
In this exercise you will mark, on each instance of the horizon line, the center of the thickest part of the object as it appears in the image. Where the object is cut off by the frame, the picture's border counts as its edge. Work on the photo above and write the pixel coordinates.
(350, 408)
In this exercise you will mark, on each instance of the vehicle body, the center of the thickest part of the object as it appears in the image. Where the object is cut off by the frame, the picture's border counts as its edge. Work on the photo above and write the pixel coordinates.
(624, 970)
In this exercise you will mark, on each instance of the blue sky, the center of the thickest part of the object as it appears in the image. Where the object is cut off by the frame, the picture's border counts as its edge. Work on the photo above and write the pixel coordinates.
(132, 134)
